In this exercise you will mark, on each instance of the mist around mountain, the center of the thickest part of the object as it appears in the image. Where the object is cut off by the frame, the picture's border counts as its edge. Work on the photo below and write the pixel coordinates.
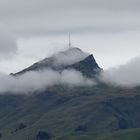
(72, 67)
(68, 97)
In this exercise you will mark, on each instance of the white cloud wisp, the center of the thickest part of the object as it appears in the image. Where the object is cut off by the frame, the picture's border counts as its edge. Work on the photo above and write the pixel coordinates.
(38, 81)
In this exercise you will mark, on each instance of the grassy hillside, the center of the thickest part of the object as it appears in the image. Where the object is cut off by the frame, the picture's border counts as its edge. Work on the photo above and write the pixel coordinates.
(130, 134)
(100, 112)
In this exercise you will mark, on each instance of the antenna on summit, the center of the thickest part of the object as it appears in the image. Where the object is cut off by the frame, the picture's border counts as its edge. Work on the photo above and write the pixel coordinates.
(69, 41)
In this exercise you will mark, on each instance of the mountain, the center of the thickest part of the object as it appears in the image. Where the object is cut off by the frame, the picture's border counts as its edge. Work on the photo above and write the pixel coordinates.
(73, 58)
(101, 112)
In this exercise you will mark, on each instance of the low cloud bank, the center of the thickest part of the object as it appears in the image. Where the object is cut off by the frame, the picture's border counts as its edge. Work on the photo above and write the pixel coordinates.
(127, 75)
(38, 81)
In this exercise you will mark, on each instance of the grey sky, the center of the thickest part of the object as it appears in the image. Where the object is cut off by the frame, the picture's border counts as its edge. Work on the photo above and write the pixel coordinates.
(106, 28)
(8, 45)
(50, 16)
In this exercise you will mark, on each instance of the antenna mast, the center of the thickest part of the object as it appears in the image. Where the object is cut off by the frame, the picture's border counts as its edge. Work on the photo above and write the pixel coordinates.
(69, 41)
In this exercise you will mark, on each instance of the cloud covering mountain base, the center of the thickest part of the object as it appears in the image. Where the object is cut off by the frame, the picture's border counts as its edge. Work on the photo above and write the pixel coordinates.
(40, 80)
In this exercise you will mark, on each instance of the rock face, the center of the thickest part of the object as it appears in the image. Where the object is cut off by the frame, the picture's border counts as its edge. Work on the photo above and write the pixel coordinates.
(88, 66)
(73, 58)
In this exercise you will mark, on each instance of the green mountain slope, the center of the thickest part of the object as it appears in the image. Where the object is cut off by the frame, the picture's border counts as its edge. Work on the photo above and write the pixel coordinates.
(130, 134)
(58, 113)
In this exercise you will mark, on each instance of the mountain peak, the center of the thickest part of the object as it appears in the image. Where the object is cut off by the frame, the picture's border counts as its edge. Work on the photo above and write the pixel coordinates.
(88, 66)
(74, 49)
(71, 58)
(67, 57)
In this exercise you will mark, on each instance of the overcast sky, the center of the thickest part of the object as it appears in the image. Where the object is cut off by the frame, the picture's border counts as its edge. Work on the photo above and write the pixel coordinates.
(33, 29)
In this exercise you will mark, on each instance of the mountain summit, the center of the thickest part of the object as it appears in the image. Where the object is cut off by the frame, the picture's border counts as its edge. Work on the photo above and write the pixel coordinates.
(73, 58)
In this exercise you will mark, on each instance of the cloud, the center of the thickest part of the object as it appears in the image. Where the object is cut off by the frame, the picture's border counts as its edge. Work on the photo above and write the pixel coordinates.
(126, 75)
(71, 56)
(8, 46)
(38, 81)
(67, 57)
(75, 78)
